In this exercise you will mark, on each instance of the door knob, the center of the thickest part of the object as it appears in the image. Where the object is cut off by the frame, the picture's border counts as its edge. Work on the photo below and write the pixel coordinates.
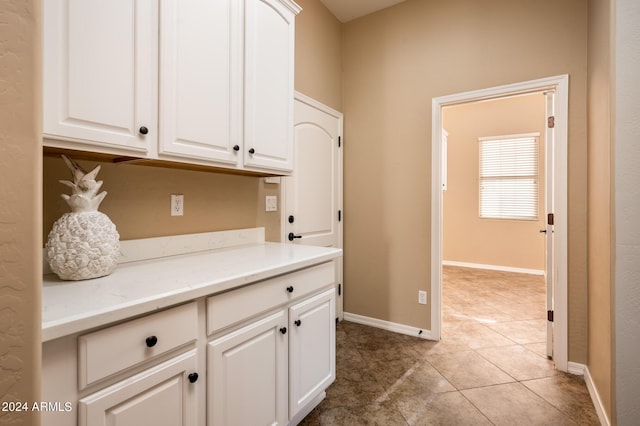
(236, 147)
(543, 231)
(143, 130)
(291, 219)
(297, 323)
(252, 151)
(293, 236)
(193, 377)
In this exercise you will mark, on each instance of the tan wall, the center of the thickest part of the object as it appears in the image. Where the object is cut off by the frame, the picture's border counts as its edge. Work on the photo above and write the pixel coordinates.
(20, 209)
(139, 197)
(466, 237)
(600, 198)
(395, 62)
(318, 54)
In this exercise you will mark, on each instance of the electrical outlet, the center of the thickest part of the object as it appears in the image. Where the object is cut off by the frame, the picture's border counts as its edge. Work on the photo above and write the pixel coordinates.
(177, 205)
(271, 203)
(422, 297)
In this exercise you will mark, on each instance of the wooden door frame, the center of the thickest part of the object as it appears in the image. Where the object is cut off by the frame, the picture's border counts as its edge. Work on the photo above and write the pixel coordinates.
(561, 86)
(283, 214)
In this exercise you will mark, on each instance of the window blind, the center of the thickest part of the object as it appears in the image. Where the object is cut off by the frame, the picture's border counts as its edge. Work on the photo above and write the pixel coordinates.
(509, 178)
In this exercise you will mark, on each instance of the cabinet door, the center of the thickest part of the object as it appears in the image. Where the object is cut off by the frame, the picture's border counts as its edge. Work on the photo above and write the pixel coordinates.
(248, 375)
(312, 353)
(201, 79)
(269, 50)
(160, 396)
(100, 74)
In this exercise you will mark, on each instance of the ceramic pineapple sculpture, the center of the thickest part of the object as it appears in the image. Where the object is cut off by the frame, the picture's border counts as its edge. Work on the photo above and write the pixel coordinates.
(84, 243)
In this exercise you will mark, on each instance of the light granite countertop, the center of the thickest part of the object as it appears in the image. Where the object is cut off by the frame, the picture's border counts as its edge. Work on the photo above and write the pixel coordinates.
(144, 286)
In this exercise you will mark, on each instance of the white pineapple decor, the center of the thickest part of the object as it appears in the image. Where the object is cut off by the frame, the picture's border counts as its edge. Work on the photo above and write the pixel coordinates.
(83, 244)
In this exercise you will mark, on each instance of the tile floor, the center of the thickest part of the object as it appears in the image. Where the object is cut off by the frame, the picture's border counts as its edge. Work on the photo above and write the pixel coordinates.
(489, 368)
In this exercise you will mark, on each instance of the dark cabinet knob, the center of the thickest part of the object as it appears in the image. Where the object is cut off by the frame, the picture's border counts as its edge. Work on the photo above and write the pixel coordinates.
(236, 148)
(193, 377)
(290, 289)
(151, 341)
(291, 219)
(297, 323)
(252, 151)
(293, 236)
(283, 330)
(144, 130)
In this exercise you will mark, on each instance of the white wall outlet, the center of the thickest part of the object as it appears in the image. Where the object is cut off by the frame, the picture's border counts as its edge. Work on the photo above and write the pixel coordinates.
(177, 205)
(422, 297)
(271, 203)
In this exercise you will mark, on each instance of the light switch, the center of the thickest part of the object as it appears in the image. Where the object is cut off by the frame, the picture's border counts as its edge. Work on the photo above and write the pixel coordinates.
(271, 203)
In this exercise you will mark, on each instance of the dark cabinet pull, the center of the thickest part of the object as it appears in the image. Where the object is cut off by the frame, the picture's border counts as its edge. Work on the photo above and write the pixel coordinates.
(151, 341)
(236, 148)
(283, 330)
(293, 236)
(144, 130)
(297, 323)
(193, 377)
(290, 289)
(252, 151)
(291, 219)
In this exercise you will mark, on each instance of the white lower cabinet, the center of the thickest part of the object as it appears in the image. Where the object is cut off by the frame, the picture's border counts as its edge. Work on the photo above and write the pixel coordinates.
(312, 349)
(286, 358)
(270, 355)
(247, 380)
(165, 395)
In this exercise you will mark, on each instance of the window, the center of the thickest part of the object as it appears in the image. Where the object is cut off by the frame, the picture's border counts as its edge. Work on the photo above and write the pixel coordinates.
(509, 177)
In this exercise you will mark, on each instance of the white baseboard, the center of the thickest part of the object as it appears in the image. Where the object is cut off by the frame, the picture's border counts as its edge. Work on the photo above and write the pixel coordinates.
(576, 368)
(389, 326)
(595, 397)
(493, 267)
(583, 370)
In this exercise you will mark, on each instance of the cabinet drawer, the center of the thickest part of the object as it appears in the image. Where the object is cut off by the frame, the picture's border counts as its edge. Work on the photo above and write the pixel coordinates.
(234, 306)
(113, 349)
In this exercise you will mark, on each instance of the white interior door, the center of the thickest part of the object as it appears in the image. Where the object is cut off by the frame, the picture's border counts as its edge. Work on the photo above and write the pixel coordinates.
(312, 213)
(549, 208)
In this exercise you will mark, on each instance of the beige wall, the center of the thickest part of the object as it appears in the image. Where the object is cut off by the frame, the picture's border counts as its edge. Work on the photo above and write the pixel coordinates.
(466, 237)
(395, 62)
(20, 209)
(600, 198)
(139, 196)
(625, 126)
(318, 54)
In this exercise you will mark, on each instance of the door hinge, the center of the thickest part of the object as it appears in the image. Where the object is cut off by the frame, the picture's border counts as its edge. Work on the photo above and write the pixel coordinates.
(550, 316)
(339, 289)
(339, 141)
(551, 122)
(339, 215)
(550, 218)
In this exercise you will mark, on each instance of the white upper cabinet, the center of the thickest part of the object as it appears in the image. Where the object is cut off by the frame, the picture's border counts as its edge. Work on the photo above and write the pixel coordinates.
(100, 74)
(201, 79)
(193, 81)
(269, 68)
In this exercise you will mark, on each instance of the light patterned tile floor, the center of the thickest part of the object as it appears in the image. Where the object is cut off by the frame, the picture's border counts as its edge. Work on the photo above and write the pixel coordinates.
(489, 368)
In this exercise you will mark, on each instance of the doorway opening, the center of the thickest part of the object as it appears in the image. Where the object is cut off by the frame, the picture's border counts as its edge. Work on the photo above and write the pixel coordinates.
(556, 203)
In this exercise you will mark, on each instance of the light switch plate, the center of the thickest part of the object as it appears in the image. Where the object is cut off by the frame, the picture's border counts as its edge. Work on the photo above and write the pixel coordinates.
(271, 203)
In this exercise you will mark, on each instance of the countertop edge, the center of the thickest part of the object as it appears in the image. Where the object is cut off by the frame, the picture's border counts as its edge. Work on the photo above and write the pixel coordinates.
(55, 329)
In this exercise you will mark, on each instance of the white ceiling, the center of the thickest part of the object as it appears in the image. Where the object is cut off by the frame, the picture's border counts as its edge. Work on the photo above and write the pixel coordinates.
(347, 10)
